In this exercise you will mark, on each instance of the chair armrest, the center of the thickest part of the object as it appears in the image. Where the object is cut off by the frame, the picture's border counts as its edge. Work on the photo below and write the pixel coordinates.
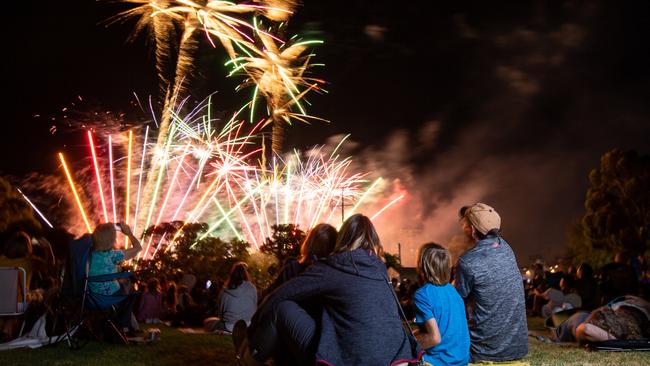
(109, 277)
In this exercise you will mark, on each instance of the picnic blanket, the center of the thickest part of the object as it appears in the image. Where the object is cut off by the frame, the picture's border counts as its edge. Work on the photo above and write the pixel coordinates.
(35, 338)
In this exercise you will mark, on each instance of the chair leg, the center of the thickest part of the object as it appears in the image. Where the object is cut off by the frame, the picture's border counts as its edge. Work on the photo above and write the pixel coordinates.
(119, 332)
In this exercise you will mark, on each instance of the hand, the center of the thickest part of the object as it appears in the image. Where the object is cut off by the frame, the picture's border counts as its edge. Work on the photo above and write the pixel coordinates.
(126, 229)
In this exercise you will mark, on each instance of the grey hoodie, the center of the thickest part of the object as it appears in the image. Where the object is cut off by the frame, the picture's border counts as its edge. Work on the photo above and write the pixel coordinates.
(237, 303)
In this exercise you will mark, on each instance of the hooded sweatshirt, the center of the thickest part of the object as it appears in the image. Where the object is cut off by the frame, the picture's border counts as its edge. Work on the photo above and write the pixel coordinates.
(360, 322)
(237, 303)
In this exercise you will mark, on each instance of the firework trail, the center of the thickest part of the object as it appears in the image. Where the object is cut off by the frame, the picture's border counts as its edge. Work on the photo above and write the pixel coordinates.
(216, 18)
(208, 172)
(160, 31)
(35, 208)
(199, 169)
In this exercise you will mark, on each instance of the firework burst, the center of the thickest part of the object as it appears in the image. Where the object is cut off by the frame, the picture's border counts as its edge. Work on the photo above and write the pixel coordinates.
(279, 74)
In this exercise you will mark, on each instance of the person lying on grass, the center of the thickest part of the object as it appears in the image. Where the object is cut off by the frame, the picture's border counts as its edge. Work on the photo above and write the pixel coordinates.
(624, 318)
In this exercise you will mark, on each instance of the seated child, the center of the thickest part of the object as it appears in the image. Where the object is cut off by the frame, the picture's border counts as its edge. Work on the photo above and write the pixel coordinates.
(151, 306)
(440, 310)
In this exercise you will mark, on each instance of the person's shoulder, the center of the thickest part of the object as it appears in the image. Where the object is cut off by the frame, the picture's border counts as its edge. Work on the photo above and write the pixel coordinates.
(292, 267)
(116, 253)
(426, 287)
(469, 259)
(423, 294)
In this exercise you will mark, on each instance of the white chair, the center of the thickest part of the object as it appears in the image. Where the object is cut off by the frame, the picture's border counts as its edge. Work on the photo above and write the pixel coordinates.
(13, 291)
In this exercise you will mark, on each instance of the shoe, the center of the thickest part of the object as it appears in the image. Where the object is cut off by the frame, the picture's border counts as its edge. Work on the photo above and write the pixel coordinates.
(246, 358)
(243, 356)
(239, 335)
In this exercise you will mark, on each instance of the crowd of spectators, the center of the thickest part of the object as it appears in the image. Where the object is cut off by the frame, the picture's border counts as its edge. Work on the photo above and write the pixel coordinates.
(335, 302)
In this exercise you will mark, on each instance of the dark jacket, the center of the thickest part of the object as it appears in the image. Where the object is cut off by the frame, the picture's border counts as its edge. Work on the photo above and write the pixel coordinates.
(291, 269)
(360, 323)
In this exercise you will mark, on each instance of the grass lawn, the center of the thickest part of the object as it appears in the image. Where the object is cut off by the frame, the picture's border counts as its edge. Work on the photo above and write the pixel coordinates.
(173, 348)
(176, 348)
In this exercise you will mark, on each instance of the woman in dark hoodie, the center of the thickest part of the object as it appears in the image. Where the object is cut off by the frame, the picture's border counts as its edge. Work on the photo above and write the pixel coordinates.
(360, 322)
(319, 243)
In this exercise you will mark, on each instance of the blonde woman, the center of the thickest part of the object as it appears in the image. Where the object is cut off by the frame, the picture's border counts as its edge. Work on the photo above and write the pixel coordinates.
(105, 260)
(440, 311)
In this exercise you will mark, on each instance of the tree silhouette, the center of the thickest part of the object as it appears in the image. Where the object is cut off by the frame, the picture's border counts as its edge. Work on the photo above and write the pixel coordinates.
(284, 242)
(209, 257)
(617, 204)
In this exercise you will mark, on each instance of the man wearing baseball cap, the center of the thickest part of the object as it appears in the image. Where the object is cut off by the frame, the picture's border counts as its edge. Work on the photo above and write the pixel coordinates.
(488, 279)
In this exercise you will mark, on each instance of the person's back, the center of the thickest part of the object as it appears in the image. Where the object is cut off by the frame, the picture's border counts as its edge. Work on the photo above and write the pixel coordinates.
(360, 322)
(238, 303)
(104, 259)
(488, 278)
(491, 277)
(358, 305)
(150, 309)
(587, 287)
(440, 311)
(101, 263)
(446, 306)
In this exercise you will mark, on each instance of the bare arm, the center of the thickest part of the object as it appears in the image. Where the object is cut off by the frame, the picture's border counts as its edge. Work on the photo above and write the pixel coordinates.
(135, 243)
(590, 333)
(432, 336)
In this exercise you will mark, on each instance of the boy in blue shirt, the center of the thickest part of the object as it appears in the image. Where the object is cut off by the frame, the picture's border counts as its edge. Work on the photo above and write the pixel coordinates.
(440, 310)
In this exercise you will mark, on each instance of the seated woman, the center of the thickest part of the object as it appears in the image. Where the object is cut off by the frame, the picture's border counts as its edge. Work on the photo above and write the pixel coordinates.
(18, 252)
(319, 243)
(360, 322)
(237, 301)
(105, 260)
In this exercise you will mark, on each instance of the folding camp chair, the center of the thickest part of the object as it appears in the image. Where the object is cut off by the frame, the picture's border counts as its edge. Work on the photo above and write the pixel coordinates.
(13, 292)
(77, 298)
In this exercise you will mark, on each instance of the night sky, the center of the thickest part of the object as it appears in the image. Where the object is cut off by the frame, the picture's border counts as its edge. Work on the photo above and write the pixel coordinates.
(508, 103)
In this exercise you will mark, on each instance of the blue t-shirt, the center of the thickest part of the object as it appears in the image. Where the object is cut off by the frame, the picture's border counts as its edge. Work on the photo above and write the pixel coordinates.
(448, 309)
(102, 263)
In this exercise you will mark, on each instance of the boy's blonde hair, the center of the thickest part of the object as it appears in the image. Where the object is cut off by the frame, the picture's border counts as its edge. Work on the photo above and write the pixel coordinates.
(104, 237)
(434, 263)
